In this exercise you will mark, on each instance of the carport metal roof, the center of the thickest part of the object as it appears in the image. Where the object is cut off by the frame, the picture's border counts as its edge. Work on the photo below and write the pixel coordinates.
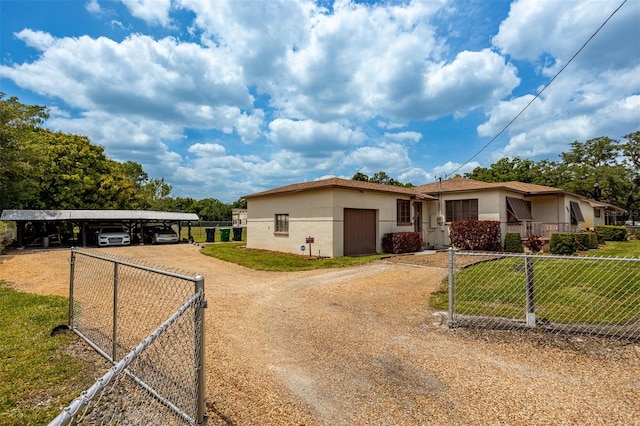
(61, 215)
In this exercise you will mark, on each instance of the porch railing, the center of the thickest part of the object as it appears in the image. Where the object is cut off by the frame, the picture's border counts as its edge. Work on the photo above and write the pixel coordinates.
(541, 229)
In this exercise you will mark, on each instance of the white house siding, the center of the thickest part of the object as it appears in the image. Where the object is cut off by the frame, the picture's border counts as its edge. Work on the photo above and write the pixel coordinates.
(319, 214)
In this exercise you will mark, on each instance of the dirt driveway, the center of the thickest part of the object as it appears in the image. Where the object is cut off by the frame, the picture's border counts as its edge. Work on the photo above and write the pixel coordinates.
(360, 346)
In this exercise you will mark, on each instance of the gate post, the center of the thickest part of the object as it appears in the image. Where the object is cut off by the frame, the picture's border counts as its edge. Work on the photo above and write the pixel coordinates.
(452, 323)
(201, 416)
(72, 262)
(531, 300)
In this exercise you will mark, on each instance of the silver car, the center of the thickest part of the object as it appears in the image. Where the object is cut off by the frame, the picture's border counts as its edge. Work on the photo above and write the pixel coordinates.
(113, 236)
(163, 235)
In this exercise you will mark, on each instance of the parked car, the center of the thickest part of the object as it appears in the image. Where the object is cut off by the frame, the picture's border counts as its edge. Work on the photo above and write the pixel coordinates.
(113, 236)
(163, 234)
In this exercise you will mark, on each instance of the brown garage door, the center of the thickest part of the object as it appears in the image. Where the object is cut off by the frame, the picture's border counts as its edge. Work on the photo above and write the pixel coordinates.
(359, 231)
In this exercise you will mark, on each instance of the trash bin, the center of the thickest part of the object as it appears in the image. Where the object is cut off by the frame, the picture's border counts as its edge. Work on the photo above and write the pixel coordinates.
(224, 235)
(45, 242)
(211, 234)
(237, 234)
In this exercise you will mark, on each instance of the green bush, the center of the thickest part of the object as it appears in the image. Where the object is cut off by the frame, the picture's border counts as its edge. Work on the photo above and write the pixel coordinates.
(593, 240)
(612, 233)
(513, 243)
(582, 241)
(562, 243)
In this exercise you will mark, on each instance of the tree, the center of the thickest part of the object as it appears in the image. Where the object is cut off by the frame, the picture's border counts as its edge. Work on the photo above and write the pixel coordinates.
(507, 169)
(19, 123)
(379, 177)
(155, 195)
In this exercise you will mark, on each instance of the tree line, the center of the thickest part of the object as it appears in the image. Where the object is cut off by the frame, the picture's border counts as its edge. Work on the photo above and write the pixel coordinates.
(602, 168)
(42, 169)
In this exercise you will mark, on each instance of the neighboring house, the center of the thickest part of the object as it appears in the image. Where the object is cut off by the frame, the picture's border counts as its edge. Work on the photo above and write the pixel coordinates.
(348, 217)
(525, 208)
(239, 217)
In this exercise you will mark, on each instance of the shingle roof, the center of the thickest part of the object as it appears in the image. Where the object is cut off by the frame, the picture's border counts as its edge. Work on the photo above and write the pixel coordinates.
(460, 184)
(337, 183)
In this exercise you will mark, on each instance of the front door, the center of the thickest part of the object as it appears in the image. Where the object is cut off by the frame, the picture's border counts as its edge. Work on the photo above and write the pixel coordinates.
(417, 218)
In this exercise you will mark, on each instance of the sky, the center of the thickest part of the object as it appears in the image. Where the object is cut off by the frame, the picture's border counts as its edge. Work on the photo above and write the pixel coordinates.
(225, 98)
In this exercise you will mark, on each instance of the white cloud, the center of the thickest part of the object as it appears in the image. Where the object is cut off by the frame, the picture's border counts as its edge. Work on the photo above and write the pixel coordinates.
(153, 12)
(93, 7)
(313, 138)
(387, 157)
(450, 168)
(404, 136)
(36, 39)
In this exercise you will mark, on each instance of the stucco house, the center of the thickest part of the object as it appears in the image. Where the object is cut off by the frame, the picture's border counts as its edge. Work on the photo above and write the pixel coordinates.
(339, 217)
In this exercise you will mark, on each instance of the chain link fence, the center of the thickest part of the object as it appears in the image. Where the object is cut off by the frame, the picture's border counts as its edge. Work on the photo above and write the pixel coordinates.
(149, 322)
(560, 294)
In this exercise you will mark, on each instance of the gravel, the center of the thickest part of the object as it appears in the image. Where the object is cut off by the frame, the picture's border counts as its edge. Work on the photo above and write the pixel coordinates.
(361, 346)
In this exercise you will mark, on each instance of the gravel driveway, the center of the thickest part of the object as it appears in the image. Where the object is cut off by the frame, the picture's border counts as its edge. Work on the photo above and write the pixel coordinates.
(361, 346)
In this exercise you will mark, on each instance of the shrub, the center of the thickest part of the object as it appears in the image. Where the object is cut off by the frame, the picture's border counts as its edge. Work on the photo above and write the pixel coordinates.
(593, 240)
(534, 243)
(475, 235)
(562, 243)
(582, 241)
(612, 233)
(401, 242)
(513, 243)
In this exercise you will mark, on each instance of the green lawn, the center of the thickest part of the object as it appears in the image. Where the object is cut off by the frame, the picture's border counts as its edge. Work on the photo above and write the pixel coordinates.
(574, 291)
(272, 261)
(37, 377)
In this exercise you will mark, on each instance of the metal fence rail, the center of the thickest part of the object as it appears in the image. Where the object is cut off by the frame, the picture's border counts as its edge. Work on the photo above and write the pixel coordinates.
(561, 294)
(115, 304)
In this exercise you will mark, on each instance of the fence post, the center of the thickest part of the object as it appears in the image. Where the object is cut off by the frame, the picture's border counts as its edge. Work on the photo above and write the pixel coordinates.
(114, 335)
(201, 417)
(451, 290)
(531, 301)
(72, 262)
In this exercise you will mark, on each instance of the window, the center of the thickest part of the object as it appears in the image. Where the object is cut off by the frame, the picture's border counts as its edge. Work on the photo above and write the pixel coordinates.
(576, 213)
(282, 224)
(518, 210)
(461, 210)
(403, 212)
(596, 212)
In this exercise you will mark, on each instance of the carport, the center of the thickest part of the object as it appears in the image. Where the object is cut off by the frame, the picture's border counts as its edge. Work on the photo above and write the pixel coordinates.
(59, 226)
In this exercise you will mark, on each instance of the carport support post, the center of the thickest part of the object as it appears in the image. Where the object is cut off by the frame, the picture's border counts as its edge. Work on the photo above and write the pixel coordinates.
(452, 323)
(531, 302)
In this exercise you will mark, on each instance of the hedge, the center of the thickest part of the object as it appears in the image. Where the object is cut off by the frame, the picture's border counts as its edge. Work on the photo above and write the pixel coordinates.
(476, 235)
(562, 243)
(612, 233)
(401, 242)
(513, 243)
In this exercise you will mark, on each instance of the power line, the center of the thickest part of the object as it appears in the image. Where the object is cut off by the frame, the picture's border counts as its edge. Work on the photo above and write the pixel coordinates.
(541, 90)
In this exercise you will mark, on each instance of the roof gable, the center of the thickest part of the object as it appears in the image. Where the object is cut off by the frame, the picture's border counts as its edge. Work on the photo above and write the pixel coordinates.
(337, 183)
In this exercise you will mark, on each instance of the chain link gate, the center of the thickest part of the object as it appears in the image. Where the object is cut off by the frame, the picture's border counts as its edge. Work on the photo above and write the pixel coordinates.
(149, 322)
(597, 296)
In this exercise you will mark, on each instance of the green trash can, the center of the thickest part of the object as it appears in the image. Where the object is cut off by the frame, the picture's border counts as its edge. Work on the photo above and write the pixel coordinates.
(224, 234)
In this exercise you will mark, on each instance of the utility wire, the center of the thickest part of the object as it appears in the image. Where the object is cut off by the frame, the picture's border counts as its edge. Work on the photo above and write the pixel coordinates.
(540, 92)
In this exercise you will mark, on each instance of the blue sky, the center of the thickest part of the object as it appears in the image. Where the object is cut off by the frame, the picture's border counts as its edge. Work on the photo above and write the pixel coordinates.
(227, 98)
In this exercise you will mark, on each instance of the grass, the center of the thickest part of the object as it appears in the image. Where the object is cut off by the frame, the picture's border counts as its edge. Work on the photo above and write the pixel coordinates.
(199, 233)
(37, 377)
(273, 261)
(574, 291)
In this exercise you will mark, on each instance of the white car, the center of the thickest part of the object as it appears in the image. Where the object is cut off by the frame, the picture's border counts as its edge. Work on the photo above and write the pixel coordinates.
(113, 236)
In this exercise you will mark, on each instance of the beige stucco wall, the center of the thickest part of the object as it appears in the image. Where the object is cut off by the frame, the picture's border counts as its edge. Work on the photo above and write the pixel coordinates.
(319, 214)
(491, 206)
